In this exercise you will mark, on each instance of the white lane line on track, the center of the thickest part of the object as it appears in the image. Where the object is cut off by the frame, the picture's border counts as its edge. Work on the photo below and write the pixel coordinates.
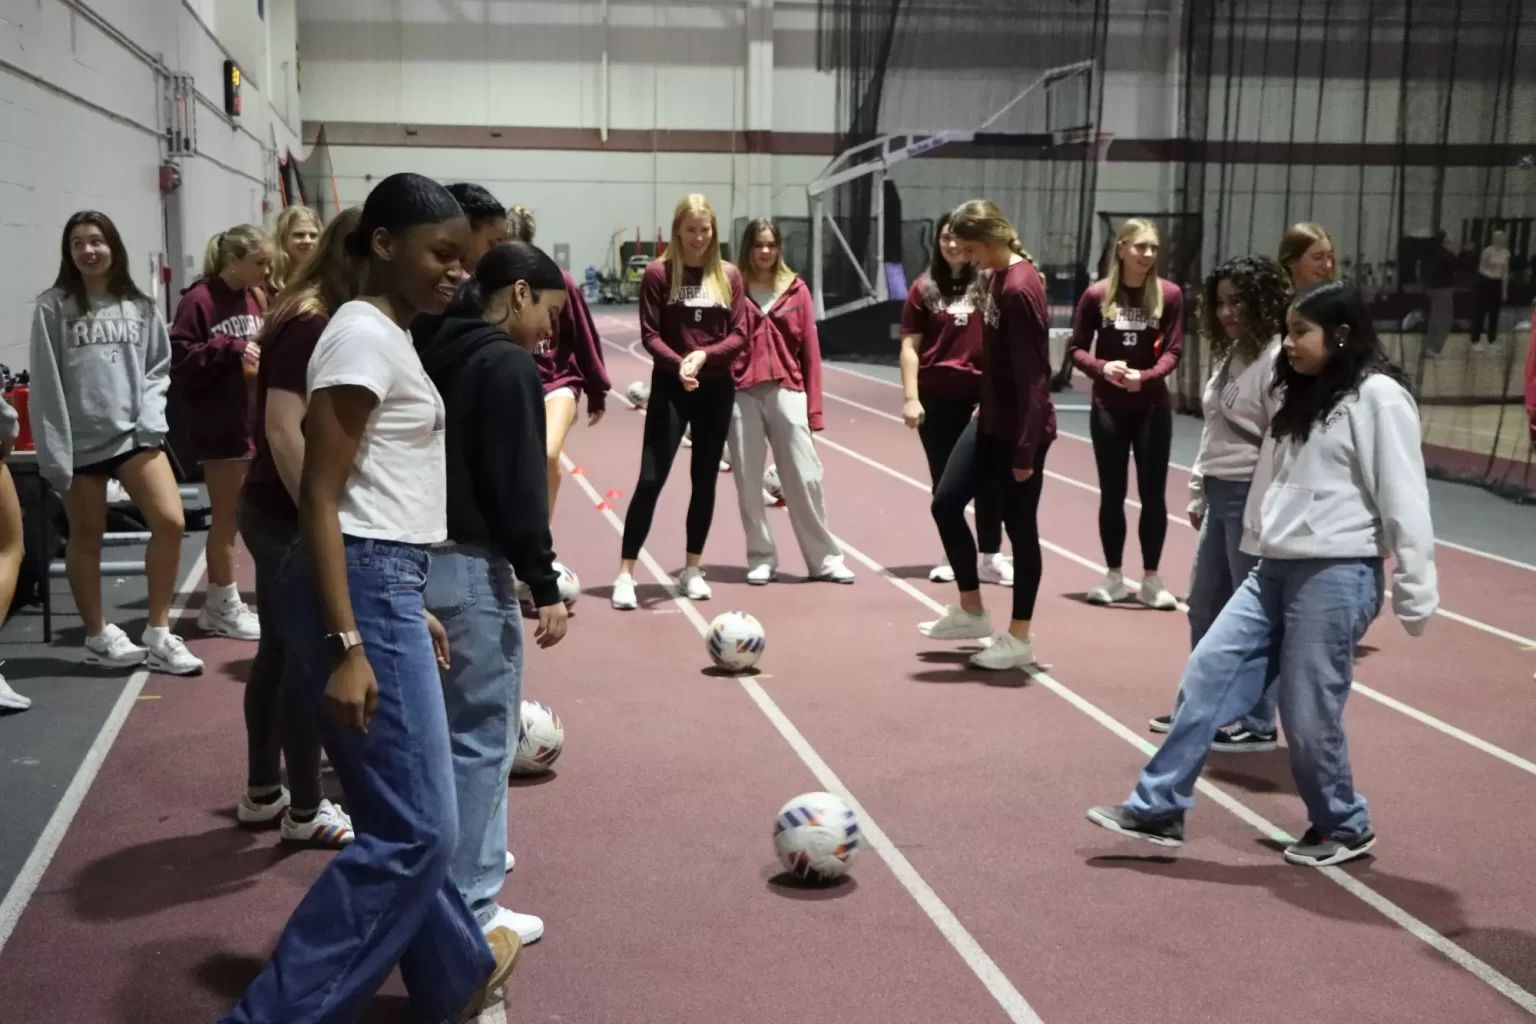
(1511, 562)
(52, 836)
(986, 970)
(1479, 969)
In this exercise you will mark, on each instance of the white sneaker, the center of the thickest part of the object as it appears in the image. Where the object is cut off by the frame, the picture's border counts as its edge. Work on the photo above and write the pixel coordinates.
(173, 658)
(941, 573)
(234, 620)
(329, 827)
(773, 500)
(10, 700)
(114, 648)
(1154, 595)
(250, 812)
(624, 593)
(1004, 652)
(692, 579)
(511, 861)
(835, 572)
(762, 575)
(528, 928)
(995, 568)
(958, 624)
(1110, 590)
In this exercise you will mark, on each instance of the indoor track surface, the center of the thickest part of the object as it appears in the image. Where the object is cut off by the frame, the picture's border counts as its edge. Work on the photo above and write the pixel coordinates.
(983, 895)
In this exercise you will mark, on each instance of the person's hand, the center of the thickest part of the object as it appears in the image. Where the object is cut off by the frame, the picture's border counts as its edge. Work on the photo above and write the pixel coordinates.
(912, 413)
(6, 447)
(1021, 475)
(553, 620)
(251, 358)
(594, 417)
(1195, 519)
(352, 694)
(1131, 380)
(439, 641)
(688, 372)
(1114, 372)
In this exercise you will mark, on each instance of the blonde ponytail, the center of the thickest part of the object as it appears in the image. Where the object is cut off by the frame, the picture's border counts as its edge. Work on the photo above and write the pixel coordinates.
(979, 220)
(213, 256)
(235, 244)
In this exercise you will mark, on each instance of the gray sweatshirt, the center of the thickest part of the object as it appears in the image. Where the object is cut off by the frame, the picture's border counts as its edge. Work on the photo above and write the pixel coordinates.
(99, 381)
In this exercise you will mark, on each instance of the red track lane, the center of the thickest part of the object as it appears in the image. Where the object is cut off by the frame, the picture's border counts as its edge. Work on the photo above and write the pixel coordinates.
(1023, 871)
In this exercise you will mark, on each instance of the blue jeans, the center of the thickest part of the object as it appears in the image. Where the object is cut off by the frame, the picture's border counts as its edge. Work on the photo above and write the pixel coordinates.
(387, 897)
(1220, 568)
(474, 594)
(1303, 619)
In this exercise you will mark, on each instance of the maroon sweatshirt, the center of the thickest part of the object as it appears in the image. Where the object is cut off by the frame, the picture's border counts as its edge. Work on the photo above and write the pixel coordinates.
(574, 357)
(1016, 405)
(782, 345)
(284, 366)
(1151, 346)
(670, 330)
(214, 324)
(949, 356)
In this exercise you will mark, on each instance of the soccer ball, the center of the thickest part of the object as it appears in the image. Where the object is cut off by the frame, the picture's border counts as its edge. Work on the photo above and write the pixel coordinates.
(570, 584)
(816, 836)
(543, 737)
(736, 641)
(638, 393)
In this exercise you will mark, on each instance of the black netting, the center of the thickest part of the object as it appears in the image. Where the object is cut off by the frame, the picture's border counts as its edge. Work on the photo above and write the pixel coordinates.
(317, 179)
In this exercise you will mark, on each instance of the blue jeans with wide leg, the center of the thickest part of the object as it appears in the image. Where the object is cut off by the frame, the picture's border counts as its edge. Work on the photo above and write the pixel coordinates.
(387, 898)
(474, 594)
(1300, 619)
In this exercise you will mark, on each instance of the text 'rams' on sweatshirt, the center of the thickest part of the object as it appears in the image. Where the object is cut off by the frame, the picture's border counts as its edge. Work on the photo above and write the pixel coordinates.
(782, 345)
(498, 486)
(214, 324)
(574, 357)
(670, 330)
(99, 381)
(1016, 404)
(1238, 404)
(949, 352)
(1354, 489)
(1132, 337)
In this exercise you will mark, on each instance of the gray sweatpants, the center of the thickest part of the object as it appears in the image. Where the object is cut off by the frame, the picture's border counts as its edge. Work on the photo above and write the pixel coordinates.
(768, 414)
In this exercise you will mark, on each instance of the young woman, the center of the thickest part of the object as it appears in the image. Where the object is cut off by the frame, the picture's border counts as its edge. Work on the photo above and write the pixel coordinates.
(1492, 289)
(297, 234)
(693, 323)
(1242, 318)
(1347, 488)
(371, 501)
(279, 716)
(1005, 446)
(570, 362)
(1306, 255)
(1128, 336)
(498, 531)
(10, 540)
(214, 360)
(941, 383)
(778, 403)
(100, 364)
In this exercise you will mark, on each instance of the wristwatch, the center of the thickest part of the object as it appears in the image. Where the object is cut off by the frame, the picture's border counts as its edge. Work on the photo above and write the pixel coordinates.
(338, 644)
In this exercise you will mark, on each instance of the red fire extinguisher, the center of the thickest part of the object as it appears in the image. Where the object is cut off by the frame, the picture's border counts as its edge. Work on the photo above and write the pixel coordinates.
(17, 396)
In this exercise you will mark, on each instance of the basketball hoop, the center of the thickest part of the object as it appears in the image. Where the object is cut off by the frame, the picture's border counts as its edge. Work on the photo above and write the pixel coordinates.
(1085, 137)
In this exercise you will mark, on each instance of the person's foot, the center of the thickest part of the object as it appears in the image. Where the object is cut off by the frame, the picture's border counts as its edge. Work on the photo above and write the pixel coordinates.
(1161, 724)
(1004, 652)
(941, 573)
(169, 654)
(835, 572)
(762, 575)
(529, 929)
(1238, 739)
(262, 808)
(232, 619)
(112, 647)
(511, 861)
(692, 579)
(1314, 850)
(1154, 594)
(624, 593)
(995, 568)
(10, 700)
(1167, 831)
(507, 948)
(1111, 589)
(329, 827)
(958, 624)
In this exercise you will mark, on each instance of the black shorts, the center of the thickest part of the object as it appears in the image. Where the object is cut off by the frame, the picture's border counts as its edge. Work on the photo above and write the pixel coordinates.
(109, 467)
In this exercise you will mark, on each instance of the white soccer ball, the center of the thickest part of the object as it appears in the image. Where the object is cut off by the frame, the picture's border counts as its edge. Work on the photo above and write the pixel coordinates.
(638, 393)
(771, 483)
(543, 737)
(570, 584)
(817, 837)
(736, 641)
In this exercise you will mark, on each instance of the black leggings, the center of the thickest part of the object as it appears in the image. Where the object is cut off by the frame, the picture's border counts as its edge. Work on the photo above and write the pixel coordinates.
(1148, 433)
(279, 721)
(707, 412)
(944, 420)
(979, 462)
(1487, 303)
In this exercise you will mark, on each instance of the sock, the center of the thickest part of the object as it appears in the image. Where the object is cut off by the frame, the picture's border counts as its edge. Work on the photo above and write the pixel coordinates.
(154, 636)
(302, 817)
(223, 597)
(264, 794)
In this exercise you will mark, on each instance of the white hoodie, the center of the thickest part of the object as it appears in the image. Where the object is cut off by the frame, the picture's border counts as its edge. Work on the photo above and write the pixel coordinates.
(1354, 489)
(1238, 405)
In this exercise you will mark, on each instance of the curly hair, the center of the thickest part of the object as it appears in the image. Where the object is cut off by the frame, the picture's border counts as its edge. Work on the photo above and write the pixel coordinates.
(1264, 290)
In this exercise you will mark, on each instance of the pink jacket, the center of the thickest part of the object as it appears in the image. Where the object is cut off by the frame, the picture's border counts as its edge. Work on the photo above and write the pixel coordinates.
(782, 346)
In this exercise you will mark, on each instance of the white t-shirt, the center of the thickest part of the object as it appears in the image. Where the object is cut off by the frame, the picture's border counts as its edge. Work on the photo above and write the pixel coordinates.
(399, 486)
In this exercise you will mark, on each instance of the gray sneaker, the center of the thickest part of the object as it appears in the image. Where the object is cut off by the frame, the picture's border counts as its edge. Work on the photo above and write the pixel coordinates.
(1161, 831)
(1314, 850)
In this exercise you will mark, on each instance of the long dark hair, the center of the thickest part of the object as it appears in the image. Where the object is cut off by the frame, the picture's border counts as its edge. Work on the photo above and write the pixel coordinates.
(119, 280)
(1264, 290)
(397, 204)
(503, 266)
(943, 283)
(1354, 353)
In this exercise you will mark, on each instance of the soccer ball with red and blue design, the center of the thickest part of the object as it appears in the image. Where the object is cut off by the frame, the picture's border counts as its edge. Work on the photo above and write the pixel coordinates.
(542, 740)
(736, 641)
(816, 836)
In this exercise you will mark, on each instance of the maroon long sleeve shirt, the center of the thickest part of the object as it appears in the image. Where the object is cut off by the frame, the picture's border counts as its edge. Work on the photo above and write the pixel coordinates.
(671, 330)
(1016, 405)
(574, 358)
(949, 354)
(1151, 346)
(214, 324)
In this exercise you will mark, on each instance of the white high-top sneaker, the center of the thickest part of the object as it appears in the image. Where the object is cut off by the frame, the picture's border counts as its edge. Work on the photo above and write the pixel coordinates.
(624, 593)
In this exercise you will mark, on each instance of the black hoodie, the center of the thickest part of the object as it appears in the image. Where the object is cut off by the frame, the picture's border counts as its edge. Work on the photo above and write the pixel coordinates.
(498, 493)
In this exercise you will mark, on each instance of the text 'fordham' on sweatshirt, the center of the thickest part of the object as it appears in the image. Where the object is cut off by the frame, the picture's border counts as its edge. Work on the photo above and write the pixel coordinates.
(949, 346)
(574, 356)
(1016, 405)
(1151, 346)
(1354, 489)
(99, 381)
(782, 345)
(1238, 404)
(671, 330)
(213, 326)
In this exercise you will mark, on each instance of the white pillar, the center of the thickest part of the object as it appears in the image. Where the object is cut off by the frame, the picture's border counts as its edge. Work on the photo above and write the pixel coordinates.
(758, 121)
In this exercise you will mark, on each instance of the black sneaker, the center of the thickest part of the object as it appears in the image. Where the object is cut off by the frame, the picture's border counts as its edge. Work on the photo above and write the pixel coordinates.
(1314, 850)
(1235, 739)
(1162, 723)
(1161, 831)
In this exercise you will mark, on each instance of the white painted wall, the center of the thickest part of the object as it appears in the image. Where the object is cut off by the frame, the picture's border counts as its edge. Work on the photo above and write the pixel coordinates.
(80, 123)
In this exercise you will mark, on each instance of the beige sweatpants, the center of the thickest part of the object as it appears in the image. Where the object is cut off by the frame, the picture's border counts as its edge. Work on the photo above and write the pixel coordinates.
(769, 415)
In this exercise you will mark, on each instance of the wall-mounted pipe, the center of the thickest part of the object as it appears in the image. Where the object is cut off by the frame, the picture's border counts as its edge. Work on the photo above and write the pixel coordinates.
(603, 124)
